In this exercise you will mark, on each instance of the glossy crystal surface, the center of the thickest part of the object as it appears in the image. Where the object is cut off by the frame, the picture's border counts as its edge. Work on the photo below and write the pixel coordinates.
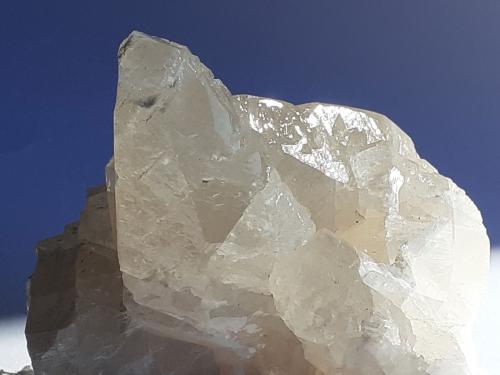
(282, 239)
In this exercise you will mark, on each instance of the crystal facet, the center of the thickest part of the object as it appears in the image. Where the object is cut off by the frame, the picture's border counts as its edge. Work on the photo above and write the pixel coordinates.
(257, 237)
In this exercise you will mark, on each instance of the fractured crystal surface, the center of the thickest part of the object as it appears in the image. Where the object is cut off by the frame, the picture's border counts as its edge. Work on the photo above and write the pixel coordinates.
(265, 237)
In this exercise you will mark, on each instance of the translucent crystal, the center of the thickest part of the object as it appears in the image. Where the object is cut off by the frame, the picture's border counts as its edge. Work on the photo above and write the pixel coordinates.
(279, 239)
(265, 225)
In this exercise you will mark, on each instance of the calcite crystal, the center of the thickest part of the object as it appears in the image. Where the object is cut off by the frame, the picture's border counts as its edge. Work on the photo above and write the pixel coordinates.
(77, 323)
(245, 235)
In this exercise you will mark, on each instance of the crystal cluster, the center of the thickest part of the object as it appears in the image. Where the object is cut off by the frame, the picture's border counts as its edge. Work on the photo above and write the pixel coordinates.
(245, 235)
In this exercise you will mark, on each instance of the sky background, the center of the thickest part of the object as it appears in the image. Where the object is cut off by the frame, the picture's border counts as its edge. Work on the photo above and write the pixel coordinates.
(432, 66)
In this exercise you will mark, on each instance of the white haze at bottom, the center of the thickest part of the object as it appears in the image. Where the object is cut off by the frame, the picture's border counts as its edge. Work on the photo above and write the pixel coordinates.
(14, 356)
(13, 352)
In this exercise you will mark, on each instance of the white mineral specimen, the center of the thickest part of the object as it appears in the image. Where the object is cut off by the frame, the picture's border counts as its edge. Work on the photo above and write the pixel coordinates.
(306, 239)
(287, 240)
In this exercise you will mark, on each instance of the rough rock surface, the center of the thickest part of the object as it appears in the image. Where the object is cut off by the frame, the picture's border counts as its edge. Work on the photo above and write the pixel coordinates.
(257, 237)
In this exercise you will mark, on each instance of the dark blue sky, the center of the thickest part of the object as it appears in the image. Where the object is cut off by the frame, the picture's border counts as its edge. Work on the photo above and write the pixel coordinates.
(433, 66)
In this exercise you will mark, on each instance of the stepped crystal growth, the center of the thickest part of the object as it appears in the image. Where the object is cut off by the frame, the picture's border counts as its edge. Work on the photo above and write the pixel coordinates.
(257, 237)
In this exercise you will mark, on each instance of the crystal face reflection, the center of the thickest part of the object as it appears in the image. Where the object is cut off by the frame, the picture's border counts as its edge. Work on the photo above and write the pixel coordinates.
(260, 237)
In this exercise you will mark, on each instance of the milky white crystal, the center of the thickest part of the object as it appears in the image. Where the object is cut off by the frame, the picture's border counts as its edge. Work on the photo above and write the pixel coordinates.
(307, 239)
